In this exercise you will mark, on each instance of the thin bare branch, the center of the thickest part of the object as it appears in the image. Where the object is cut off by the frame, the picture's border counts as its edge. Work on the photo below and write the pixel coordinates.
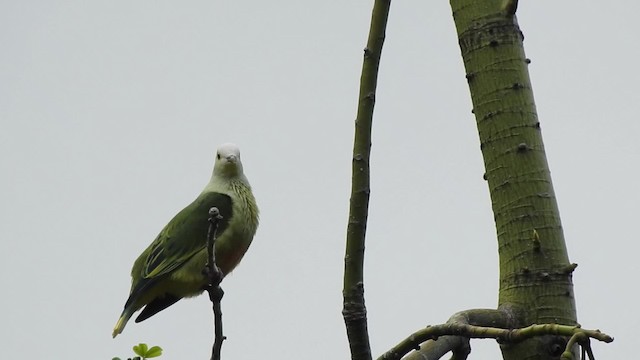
(354, 311)
(215, 277)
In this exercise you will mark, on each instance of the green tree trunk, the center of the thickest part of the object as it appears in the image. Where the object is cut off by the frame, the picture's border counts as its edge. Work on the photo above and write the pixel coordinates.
(535, 272)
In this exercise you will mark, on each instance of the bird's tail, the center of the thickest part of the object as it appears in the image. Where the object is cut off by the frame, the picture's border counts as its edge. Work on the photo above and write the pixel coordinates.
(122, 322)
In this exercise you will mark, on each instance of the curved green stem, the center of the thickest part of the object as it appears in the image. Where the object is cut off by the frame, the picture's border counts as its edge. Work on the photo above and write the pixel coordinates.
(354, 310)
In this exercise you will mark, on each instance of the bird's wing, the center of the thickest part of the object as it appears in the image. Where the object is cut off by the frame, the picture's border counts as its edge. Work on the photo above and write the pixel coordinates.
(183, 237)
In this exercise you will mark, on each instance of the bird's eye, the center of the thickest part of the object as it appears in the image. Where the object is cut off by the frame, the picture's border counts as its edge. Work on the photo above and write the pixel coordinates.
(218, 156)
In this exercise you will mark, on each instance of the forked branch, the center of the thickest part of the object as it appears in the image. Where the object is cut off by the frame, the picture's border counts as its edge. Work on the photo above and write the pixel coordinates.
(457, 327)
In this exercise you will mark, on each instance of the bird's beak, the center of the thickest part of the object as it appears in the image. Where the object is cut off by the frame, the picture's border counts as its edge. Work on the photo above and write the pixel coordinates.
(232, 159)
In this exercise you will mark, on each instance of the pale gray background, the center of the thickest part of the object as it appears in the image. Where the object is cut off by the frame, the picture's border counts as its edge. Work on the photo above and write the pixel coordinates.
(111, 112)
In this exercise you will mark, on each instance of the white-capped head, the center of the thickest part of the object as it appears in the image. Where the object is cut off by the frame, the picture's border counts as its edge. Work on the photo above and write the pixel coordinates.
(228, 162)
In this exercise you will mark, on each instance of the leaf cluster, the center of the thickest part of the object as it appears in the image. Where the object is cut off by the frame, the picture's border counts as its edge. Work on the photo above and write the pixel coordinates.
(144, 352)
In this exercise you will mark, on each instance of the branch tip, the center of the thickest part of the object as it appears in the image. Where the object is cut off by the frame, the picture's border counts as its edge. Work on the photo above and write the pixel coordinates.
(214, 277)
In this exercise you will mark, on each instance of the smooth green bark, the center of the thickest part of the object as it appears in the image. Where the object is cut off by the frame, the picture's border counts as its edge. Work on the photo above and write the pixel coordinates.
(535, 272)
(354, 311)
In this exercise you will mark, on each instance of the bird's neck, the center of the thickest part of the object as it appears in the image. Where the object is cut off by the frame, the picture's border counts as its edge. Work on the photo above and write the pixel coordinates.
(224, 184)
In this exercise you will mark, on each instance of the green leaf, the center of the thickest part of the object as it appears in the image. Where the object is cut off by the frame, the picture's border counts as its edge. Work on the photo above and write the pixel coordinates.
(154, 352)
(141, 349)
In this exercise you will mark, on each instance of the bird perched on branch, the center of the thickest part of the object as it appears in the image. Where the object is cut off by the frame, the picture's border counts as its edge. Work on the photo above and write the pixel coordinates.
(171, 268)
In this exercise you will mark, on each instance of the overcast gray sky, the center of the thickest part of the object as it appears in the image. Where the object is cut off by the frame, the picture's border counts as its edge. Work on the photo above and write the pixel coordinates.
(111, 112)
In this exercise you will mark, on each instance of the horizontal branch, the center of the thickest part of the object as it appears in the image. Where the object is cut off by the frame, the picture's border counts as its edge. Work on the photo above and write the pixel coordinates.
(459, 346)
(481, 332)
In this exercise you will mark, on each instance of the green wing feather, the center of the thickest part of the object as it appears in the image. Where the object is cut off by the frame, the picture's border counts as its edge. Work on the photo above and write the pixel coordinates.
(183, 237)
